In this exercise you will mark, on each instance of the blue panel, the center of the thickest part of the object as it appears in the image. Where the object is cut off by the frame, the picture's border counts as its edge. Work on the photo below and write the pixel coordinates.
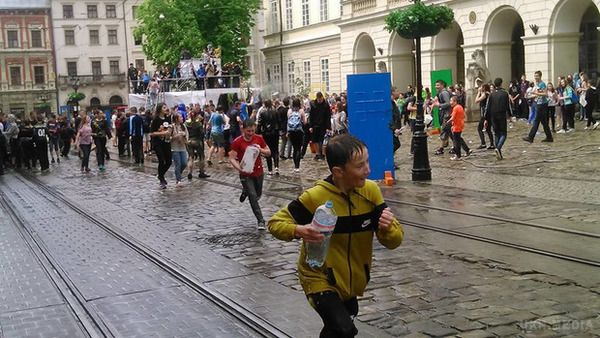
(369, 115)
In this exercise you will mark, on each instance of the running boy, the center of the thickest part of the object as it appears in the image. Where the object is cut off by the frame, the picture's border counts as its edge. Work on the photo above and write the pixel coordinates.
(362, 214)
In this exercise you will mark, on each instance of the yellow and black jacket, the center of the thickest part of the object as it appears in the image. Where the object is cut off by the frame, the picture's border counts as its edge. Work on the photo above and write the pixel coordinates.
(348, 263)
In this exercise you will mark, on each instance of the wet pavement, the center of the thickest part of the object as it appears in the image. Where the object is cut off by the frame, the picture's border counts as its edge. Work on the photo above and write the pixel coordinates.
(433, 285)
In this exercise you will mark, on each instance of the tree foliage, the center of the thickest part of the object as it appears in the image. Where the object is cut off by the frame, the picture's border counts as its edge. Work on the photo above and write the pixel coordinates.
(192, 24)
(419, 20)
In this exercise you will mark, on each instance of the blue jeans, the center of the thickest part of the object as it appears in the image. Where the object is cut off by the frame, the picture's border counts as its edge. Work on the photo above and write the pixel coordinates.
(180, 159)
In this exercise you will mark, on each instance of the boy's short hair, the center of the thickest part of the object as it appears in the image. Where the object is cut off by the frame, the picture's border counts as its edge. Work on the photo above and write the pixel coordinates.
(341, 149)
(248, 123)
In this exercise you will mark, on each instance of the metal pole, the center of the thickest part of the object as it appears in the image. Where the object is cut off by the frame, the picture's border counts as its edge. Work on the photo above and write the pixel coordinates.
(126, 51)
(421, 170)
(280, 9)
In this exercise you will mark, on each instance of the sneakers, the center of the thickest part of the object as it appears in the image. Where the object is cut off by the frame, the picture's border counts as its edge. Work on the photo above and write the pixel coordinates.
(243, 196)
(270, 173)
(562, 131)
(527, 139)
(178, 184)
(595, 125)
(455, 158)
(102, 168)
(163, 186)
(491, 147)
(586, 128)
(482, 146)
(469, 152)
(261, 225)
(296, 170)
(547, 140)
(440, 151)
(209, 162)
(189, 176)
(277, 171)
(203, 175)
(498, 154)
(570, 130)
(55, 161)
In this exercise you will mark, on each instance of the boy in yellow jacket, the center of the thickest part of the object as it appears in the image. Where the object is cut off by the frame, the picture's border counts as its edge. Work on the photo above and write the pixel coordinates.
(362, 213)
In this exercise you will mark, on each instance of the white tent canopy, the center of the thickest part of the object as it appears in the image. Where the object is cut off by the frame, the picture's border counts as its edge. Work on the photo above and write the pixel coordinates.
(186, 97)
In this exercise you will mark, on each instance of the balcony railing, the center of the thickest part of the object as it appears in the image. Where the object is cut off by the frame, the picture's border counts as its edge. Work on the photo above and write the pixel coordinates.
(83, 80)
(187, 84)
(398, 3)
(359, 6)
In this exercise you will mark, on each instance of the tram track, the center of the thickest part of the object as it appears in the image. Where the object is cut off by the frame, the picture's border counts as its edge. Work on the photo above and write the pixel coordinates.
(454, 232)
(91, 321)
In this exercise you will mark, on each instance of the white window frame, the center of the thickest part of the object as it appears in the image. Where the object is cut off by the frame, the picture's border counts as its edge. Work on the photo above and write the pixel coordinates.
(72, 12)
(305, 13)
(92, 67)
(97, 42)
(274, 17)
(88, 6)
(66, 42)
(113, 12)
(325, 73)
(324, 10)
(291, 78)
(306, 67)
(289, 15)
(116, 36)
(277, 74)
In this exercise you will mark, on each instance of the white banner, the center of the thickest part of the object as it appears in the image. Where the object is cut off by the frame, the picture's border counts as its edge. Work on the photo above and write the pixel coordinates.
(188, 97)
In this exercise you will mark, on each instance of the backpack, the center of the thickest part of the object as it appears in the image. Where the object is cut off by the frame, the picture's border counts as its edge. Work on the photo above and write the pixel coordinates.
(294, 122)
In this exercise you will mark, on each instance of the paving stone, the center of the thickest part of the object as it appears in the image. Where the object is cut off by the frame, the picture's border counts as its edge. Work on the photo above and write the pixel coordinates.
(48, 321)
(459, 323)
(505, 331)
(476, 334)
(510, 318)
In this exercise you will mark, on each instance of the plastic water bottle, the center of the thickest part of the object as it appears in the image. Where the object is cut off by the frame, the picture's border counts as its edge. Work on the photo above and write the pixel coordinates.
(324, 221)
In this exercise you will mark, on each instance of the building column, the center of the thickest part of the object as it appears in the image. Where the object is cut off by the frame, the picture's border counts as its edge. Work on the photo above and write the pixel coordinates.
(537, 56)
(564, 54)
(445, 59)
(401, 67)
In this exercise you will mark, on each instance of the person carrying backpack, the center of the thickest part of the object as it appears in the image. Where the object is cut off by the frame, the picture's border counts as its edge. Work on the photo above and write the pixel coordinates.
(40, 142)
(295, 132)
(268, 127)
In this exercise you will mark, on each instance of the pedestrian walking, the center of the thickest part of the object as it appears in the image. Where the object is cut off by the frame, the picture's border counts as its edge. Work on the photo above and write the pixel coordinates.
(483, 93)
(67, 133)
(457, 120)
(362, 215)
(84, 141)
(553, 99)
(40, 142)
(268, 127)
(296, 119)
(160, 130)
(100, 133)
(442, 101)
(540, 96)
(179, 139)
(497, 111)
(591, 96)
(53, 139)
(319, 121)
(217, 124)
(252, 180)
(136, 132)
(11, 134)
(195, 145)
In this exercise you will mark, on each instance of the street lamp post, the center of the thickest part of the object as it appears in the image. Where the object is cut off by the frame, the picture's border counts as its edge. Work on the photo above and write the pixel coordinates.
(75, 87)
(414, 22)
(421, 170)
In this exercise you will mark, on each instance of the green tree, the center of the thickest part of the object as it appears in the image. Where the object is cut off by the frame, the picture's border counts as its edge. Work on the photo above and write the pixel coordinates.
(171, 26)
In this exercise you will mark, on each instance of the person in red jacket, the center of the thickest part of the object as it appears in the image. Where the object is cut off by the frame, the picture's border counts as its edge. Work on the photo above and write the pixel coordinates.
(458, 125)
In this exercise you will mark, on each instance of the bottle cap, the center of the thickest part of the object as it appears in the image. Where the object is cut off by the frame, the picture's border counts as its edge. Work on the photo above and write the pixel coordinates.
(329, 204)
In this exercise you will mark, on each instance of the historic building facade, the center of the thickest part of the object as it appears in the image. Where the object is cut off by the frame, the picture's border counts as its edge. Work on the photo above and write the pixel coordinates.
(91, 46)
(324, 40)
(26, 59)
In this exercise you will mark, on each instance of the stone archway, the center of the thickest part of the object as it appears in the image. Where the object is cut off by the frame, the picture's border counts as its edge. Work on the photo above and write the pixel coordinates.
(364, 54)
(115, 100)
(574, 38)
(448, 53)
(94, 102)
(504, 44)
(402, 61)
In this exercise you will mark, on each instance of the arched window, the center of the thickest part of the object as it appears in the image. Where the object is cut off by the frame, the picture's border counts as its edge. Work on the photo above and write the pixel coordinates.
(94, 102)
(115, 100)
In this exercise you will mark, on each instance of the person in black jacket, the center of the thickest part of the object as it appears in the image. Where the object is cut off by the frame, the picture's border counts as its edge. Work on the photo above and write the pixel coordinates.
(136, 132)
(497, 110)
(268, 126)
(319, 122)
(591, 97)
(100, 133)
(40, 142)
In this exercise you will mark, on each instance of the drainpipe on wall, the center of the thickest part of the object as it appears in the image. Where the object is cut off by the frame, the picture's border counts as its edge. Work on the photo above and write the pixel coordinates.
(280, 46)
(126, 52)
(53, 41)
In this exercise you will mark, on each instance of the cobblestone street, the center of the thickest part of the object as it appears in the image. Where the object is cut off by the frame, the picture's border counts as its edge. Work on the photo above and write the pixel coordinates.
(433, 285)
